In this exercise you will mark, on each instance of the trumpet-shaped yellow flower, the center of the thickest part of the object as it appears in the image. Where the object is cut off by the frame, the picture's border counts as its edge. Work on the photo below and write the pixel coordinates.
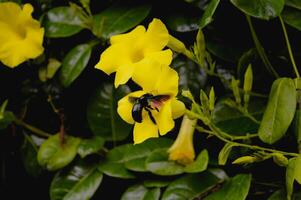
(156, 80)
(182, 149)
(128, 50)
(21, 36)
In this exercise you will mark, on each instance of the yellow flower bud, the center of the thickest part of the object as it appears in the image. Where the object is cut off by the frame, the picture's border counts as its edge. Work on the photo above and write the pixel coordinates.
(176, 44)
(182, 150)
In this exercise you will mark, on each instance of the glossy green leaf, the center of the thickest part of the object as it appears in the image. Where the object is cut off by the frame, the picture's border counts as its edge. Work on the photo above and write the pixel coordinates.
(279, 112)
(140, 192)
(137, 154)
(207, 16)
(155, 183)
(236, 188)
(293, 3)
(119, 19)
(62, 22)
(115, 170)
(114, 163)
(230, 120)
(29, 151)
(290, 177)
(158, 163)
(292, 17)
(102, 113)
(191, 186)
(281, 195)
(90, 146)
(74, 63)
(224, 153)
(263, 9)
(79, 183)
(200, 164)
(182, 18)
(54, 155)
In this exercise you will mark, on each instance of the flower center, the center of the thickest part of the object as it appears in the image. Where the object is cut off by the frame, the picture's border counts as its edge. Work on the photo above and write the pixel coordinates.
(137, 56)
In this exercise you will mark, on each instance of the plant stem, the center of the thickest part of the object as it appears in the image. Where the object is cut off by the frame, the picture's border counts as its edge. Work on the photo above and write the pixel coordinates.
(289, 47)
(33, 129)
(260, 49)
(254, 147)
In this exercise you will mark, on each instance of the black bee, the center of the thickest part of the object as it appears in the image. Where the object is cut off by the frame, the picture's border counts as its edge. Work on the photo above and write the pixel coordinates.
(148, 102)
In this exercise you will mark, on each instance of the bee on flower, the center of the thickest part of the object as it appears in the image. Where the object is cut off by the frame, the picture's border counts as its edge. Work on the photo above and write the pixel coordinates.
(153, 109)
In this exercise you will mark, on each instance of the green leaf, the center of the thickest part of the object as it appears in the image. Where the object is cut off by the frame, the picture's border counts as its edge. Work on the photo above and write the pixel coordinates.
(155, 183)
(137, 154)
(119, 19)
(79, 183)
(293, 3)
(114, 163)
(29, 151)
(62, 22)
(191, 186)
(290, 177)
(279, 112)
(263, 9)
(207, 16)
(236, 188)
(200, 164)
(90, 146)
(292, 17)
(230, 120)
(53, 155)
(74, 63)
(224, 153)
(182, 18)
(7, 118)
(158, 163)
(140, 192)
(102, 113)
(115, 170)
(281, 195)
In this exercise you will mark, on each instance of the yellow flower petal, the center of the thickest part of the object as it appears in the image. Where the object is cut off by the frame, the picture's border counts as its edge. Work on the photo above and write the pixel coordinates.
(125, 107)
(144, 130)
(156, 78)
(156, 37)
(123, 74)
(128, 37)
(113, 57)
(163, 57)
(178, 108)
(21, 36)
(167, 82)
(146, 74)
(164, 118)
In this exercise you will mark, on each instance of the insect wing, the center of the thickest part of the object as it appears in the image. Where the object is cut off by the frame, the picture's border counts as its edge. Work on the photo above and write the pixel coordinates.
(157, 101)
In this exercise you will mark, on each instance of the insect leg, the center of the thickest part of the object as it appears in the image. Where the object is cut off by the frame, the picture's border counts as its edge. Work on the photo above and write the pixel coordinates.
(150, 115)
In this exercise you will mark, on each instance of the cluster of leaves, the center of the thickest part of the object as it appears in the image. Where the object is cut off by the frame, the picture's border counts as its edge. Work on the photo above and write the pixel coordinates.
(90, 146)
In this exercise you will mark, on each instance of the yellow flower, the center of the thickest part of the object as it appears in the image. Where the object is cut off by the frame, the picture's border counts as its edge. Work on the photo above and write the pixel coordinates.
(155, 79)
(182, 149)
(130, 49)
(21, 36)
